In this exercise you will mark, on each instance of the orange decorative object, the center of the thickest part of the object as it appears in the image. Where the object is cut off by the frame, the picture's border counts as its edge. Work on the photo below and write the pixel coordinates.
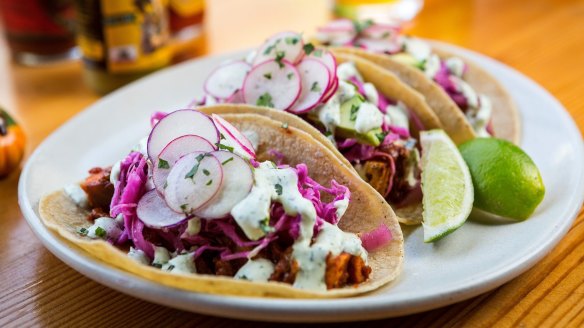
(12, 141)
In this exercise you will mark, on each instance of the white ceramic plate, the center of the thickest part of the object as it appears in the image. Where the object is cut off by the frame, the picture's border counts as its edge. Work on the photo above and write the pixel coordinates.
(475, 259)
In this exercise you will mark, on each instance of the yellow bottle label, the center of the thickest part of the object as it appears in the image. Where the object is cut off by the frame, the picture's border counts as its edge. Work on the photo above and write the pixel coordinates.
(135, 35)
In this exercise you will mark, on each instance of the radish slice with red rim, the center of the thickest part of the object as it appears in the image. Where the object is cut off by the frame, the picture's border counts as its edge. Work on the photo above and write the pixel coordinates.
(153, 211)
(375, 45)
(231, 135)
(328, 59)
(179, 123)
(331, 91)
(179, 147)
(285, 45)
(275, 84)
(315, 81)
(226, 79)
(237, 183)
(236, 98)
(192, 182)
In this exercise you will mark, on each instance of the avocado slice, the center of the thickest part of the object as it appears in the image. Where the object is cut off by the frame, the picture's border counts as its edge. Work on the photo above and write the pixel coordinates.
(346, 127)
(407, 59)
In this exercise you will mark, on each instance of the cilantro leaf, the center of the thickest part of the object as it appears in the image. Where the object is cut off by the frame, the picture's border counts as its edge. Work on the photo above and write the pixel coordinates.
(308, 48)
(162, 164)
(224, 147)
(315, 87)
(268, 76)
(265, 100)
(278, 188)
(100, 232)
(354, 110)
(227, 161)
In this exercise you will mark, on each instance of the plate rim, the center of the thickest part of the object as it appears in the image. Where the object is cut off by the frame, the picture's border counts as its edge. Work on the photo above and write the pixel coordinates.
(286, 309)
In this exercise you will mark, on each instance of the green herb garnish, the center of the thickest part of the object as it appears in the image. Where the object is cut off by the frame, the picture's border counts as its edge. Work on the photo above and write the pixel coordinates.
(318, 53)
(224, 147)
(183, 207)
(227, 161)
(100, 232)
(206, 172)
(268, 76)
(291, 40)
(82, 231)
(361, 26)
(193, 171)
(265, 226)
(290, 75)
(157, 265)
(170, 267)
(279, 56)
(209, 182)
(315, 87)
(278, 188)
(265, 100)
(308, 48)
(354, 110)
(381, 136)
(162, 164)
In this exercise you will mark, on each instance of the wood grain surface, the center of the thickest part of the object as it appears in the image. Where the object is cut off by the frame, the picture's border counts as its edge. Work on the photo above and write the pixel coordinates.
(544, 39)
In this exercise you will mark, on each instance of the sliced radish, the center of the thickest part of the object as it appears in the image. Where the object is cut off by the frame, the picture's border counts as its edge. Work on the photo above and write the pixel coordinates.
(173, 152)
(226, 79)
(179, 123)
(236, 98)
(241, 145)
(331, 91)
(272, 84)
(315, 81)
(153, 211)
(192, 182)
(289, 45)
(385, 46)
(237, 183)
(380, 31)
(328, 59)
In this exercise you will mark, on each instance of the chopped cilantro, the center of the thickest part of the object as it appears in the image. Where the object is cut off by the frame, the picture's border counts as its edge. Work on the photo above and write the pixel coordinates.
(200, 157)
(361, 26)
(82, 231)
(290, 75)
(318, 53)
(157, 265)
(170, 267)
(315, 87)
(308, 48)
(100, 232)
(165, 185)
(354, 110)
(265, 100)
(381, 136)
(227, 161)
(209, 182)
(279, 56)
(284, 125)
(206, 172)
(265, 226)
(224, 147)
(243, 277)
(291, 40)
(162, 164)
(270, 48)
(268, 76)
(278, 188)
(183, 207)
(221, 136)
(192, 172)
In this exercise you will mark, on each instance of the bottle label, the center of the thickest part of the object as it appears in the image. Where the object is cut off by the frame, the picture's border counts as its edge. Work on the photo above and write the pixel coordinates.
(130, 36)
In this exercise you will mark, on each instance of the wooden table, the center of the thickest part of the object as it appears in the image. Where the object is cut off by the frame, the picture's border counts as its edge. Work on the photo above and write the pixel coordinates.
(543, 39)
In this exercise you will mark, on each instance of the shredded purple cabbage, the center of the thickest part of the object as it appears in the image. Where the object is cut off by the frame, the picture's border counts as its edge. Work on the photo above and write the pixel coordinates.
(156, 116)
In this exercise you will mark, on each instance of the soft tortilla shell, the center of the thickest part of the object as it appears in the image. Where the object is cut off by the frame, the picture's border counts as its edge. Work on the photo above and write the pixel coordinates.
(505, 115)
(367, 210)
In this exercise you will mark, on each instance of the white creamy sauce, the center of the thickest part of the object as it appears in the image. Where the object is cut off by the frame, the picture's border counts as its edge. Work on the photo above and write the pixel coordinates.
(104, 224)
(138, 256)
(398, 115)
(184, 263)
(250, 57)
(161, 256)
(455, 66)
(371, 93)
(253, 137)
(466, 90)
(341, 206)
(432, 66)
(417, 48)
(347, 70)
(329, 114)
(256, 270)
(346, 90)
(479, 117)
(120, 220)
(115, 172)
(210, 100)
(77, 194)
(272, 184)
(368, 118)
(312, 258)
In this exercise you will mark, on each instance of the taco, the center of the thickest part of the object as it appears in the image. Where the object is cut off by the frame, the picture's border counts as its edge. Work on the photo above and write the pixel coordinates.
(209, 213)
(468, 100)
(367, 115)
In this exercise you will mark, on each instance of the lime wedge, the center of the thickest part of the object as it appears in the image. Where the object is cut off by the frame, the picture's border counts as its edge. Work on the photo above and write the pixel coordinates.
(446, 185)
